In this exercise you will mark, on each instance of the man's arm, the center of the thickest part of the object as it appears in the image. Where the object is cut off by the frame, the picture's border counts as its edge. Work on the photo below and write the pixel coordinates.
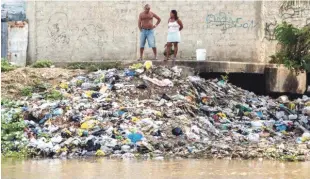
(139, 23)
(158, 20)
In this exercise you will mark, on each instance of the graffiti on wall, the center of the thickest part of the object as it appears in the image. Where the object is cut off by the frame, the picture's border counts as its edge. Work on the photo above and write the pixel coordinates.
(292, 13)
(80, 37)
(289, 14)
(269, 30)
(295, 12)
(225, 21)
(57, 25)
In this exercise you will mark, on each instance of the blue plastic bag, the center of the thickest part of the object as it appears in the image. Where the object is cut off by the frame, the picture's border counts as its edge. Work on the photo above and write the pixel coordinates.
(135, 137)
(130, 73)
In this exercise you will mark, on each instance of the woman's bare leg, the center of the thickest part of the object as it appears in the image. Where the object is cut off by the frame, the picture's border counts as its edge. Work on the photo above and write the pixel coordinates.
(175, 49)
(168, 50)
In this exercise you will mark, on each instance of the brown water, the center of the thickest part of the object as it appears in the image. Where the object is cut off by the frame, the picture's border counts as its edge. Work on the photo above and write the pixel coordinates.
(152, 169)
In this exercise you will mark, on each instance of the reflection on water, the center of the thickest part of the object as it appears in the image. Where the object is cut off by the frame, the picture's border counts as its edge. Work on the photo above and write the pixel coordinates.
(152, 169)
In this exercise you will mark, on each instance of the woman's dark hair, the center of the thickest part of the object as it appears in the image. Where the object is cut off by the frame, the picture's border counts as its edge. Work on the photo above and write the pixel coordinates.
(175, 13)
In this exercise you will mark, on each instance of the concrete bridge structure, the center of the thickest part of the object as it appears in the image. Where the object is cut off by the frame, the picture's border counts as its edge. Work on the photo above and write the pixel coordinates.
(238, 35)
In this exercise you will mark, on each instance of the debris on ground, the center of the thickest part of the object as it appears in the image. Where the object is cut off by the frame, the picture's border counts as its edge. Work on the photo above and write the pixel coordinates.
(151, 111)
(39, 79)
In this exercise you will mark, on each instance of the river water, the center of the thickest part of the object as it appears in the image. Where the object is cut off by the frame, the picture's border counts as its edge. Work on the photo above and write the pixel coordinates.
(152, 169)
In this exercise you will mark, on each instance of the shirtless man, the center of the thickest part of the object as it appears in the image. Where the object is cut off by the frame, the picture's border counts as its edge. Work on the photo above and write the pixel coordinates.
(146, 27)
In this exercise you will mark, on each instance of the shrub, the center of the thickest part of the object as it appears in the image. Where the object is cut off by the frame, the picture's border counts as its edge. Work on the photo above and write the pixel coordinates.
(6, 66)
(42, 64)
(295, 47)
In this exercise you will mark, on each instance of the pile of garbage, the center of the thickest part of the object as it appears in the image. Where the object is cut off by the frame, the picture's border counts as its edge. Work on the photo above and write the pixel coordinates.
(156, 112)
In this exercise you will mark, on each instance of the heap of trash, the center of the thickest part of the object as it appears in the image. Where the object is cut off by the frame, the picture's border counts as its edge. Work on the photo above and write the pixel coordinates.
(155, 112)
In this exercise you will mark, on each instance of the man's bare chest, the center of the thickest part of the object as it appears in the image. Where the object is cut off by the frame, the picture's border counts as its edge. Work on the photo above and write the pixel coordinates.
(145, 17)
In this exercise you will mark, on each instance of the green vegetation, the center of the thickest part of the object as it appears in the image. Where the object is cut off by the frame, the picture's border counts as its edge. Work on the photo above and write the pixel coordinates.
(40, 86)
(54, 95)
(225, 77)
(6, 66)
(13, 141)
(295, 47)
(290, 158)
(8, 103)
(95, 67)
(42, 64)
(27, 91)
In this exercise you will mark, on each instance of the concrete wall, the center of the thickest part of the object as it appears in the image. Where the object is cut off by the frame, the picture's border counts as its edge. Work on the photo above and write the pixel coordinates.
(298, 15)
(240, 31)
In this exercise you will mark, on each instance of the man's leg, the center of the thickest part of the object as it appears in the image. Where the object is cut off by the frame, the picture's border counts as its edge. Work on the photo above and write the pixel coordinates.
(142, 43)
(155, 52)
(141, 53)
(151, 42)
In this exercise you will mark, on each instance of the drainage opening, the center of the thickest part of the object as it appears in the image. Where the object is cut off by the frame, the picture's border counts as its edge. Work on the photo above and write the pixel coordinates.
(251, 82)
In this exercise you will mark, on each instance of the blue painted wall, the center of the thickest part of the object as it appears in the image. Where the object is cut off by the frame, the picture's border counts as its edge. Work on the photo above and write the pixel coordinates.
(15, 9)
(11, 10)
(4, 39)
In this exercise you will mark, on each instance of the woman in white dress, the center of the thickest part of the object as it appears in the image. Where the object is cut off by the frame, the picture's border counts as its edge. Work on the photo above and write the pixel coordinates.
(174, 37)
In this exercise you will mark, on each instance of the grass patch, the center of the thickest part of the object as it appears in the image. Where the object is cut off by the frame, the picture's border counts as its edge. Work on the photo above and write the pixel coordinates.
(42, 64)
(37, 87)
(95, 67)
(54, 95)
(6, 66)
(26, 91)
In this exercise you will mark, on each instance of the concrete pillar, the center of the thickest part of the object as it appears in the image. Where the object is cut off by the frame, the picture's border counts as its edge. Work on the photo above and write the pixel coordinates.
(32, 35)
(281, 80)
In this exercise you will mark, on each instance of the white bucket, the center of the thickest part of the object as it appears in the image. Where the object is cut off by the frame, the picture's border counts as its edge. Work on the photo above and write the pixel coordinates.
(201, 54)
